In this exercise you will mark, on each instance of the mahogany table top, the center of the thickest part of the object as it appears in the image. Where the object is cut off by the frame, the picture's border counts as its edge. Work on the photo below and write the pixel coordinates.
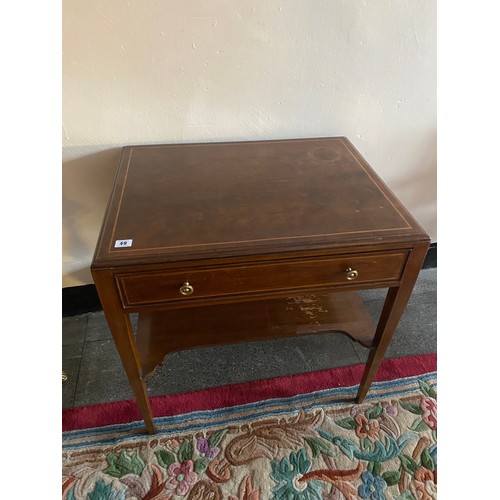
(199, 201)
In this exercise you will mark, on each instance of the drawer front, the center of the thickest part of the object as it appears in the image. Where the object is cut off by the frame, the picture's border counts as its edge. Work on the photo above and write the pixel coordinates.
(168, 286)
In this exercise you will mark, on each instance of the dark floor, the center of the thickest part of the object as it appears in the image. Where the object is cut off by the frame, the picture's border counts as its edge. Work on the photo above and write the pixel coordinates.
(95, 373)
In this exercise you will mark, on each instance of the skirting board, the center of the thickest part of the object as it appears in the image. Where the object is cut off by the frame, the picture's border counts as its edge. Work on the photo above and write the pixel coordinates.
(84, 299)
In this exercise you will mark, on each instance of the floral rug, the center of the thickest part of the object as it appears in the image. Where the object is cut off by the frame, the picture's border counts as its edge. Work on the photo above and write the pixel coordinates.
(310, 445)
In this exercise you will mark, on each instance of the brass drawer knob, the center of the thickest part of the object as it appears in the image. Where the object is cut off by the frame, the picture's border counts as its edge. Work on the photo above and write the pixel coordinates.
(186, 289)
(352, 274)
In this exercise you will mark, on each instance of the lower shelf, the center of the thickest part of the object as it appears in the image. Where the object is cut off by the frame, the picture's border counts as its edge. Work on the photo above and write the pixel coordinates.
(162, 332)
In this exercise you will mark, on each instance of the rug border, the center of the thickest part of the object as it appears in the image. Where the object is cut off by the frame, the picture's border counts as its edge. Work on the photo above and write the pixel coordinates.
(122, 412)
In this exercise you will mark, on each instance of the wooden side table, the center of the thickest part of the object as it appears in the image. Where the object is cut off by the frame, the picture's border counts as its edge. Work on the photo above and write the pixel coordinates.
(265, 239)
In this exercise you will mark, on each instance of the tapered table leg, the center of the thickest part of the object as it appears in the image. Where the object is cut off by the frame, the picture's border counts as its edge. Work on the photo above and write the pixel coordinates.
(123, 335)
(394, 306)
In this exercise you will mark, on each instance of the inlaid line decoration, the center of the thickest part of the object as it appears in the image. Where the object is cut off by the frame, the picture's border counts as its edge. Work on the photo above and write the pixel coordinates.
(297, 237)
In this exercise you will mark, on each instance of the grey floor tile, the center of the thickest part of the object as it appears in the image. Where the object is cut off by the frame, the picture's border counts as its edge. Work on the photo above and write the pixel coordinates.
(209, 367)
(73, 329)
(426, 282)
(374, 308)
(416, 332)
(97, 327)
(373, 294)
(102, 377)
(71, 358)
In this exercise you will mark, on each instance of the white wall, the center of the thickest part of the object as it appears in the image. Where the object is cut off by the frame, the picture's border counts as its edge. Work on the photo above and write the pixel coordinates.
(162, 71)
